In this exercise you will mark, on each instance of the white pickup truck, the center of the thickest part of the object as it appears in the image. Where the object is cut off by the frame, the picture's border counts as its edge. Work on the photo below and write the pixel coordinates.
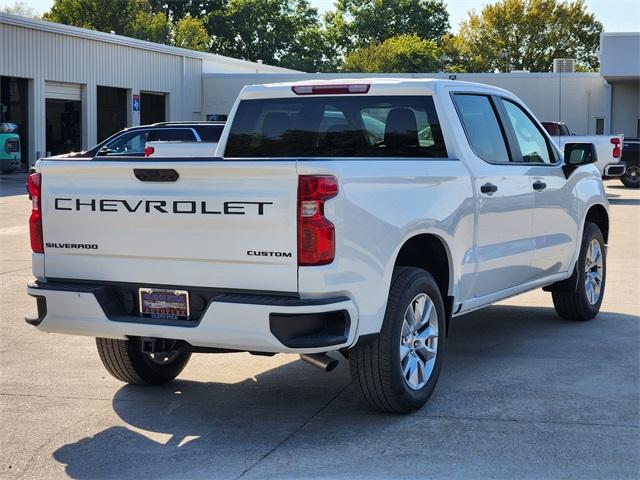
(316, 231)
(608, 147)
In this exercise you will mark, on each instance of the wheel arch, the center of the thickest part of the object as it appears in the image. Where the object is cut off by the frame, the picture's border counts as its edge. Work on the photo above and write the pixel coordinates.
(598, 214)
(430, 252)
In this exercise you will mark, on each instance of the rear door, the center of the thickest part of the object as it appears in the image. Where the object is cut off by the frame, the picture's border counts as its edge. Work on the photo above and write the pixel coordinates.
(504, 247)
(220, 224)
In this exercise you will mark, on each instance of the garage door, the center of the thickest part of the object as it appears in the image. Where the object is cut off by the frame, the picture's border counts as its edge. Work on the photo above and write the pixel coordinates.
(63, 91)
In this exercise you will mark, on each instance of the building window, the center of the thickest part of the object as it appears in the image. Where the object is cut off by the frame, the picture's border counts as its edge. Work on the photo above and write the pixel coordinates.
(599, 126)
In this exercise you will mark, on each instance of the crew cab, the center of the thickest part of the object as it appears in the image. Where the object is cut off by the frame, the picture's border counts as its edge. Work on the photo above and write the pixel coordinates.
(608, 147)
(354, 217)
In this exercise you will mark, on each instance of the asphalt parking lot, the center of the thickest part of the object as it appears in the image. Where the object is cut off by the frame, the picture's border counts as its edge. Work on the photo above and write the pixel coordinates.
(523, 394)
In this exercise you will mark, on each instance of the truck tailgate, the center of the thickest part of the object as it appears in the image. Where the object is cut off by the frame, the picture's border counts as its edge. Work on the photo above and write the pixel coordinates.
(221, 224)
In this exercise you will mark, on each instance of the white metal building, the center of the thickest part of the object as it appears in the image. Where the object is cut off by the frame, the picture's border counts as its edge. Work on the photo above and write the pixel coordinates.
(69, 87)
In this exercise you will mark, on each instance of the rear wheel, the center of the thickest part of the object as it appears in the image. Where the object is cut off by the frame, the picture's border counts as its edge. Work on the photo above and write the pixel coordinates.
(398, 371)
(631, 177)
(584, 303)
(125, 360)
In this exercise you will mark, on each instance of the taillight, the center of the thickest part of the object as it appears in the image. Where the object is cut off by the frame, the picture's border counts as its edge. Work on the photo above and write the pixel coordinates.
(316, 242)
(336, 89)
(148, 151)
(617, 151)
(35, 220)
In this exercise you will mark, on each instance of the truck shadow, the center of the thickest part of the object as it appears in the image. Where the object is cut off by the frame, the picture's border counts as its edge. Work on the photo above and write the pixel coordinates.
(497, 359)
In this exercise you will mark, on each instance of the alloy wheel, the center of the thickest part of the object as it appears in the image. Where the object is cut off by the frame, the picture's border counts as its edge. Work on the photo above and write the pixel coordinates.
(593, 270)
(419, 341)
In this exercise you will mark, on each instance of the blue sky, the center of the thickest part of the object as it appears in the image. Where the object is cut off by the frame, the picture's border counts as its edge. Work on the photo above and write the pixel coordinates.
(616, 15)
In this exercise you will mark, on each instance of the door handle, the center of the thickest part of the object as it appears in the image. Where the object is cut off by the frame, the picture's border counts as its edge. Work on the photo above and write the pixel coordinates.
(488, 188)
(156, 174)
(539, 186)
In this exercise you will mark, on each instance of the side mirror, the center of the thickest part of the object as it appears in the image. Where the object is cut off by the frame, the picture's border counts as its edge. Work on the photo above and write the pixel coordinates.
(578, 154)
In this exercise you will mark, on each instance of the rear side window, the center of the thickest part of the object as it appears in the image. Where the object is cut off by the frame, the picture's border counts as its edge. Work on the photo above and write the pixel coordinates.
(484, 133)
(336, 126)
(209, 133)
(173, 135)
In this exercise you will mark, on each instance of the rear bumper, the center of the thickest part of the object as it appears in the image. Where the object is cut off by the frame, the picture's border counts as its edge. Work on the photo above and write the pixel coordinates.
(612, 170)
(244, 322)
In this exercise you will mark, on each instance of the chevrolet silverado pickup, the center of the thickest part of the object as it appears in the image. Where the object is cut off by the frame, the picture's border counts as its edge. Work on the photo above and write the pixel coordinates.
(608, 148)
(353, 217)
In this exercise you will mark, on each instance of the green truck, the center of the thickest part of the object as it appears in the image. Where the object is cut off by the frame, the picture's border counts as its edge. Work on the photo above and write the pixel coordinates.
(10, 155)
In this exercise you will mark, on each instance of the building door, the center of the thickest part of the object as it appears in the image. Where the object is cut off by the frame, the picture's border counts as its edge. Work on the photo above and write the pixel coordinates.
(63, 112)
(14, 109)
(112, 111)
(152, 108)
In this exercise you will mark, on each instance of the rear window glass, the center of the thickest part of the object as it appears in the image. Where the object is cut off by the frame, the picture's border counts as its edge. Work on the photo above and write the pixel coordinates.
(354, 126)
(209, 133)
(173, 135)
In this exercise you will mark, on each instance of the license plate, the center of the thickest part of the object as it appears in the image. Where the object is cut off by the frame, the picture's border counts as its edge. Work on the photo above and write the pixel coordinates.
(164, 304)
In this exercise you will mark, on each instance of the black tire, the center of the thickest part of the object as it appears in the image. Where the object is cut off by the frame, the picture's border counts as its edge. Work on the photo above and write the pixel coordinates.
(125, 361)
(631, 178)
(576, 305)
(376, 368)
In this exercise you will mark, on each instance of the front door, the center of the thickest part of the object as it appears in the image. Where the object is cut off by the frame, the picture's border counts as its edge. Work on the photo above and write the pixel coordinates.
(504, 247)
(554, 227)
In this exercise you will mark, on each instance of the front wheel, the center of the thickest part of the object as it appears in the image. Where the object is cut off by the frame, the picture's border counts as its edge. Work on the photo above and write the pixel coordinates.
(584, 303)
(125, 360)
(398, 371)
(631, 177)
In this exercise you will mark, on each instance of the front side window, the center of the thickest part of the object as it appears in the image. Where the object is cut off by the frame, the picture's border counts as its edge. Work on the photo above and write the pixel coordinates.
(133, 143)
(533, 144)
(336, 126)
(128, 144)
(480, 121)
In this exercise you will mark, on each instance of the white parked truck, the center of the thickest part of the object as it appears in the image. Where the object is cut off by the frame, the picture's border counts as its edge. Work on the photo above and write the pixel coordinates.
(608, 148)
(355, 217)
(163, 148)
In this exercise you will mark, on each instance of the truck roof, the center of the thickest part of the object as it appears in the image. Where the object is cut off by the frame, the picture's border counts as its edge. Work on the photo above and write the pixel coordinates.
(377, 86)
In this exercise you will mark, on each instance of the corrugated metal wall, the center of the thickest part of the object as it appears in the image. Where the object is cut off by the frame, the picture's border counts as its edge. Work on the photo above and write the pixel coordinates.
(43, 56)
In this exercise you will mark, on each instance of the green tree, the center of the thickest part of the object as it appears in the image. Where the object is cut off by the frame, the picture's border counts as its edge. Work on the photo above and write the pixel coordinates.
(279, 32)
(401, 54)
(358, 23)
(102, 15)
(525, 35)
(153, 27)
(191, 33)
(178, 9)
